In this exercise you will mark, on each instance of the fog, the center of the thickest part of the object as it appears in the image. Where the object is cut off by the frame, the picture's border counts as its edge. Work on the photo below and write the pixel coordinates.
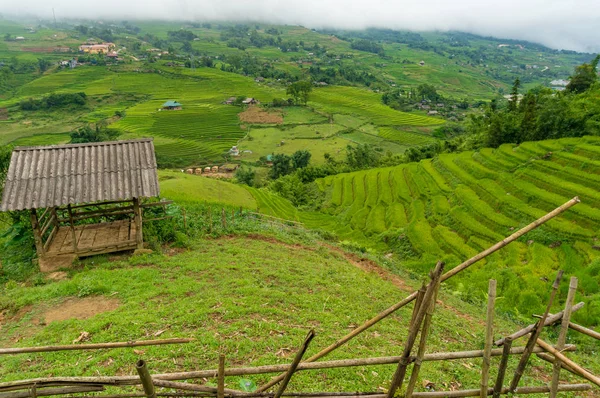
(561, 24)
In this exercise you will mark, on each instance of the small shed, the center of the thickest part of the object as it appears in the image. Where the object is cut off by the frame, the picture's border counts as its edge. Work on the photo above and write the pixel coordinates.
(171, 106)
(84, 199)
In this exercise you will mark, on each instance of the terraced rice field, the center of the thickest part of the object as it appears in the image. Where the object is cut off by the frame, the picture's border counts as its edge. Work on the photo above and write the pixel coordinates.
(456, 205)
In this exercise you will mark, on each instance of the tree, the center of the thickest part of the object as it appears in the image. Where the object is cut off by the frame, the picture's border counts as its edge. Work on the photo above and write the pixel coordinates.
(187, 47)
(300, 159)
(281, 166)
(514, 96)
(585, 75)
(245, 176)
(427, 91)
(43, 64)
(361, 156)
(98, 134)
(299, 91)
(7, 37)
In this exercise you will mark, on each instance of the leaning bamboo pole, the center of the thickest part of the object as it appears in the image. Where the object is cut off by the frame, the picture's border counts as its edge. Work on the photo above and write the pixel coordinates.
(534, 336)
(578, 369)
(459, 268)
(294, 365)
(98, 346)
(146, 379)
(562, 336)
(245, 371)
(398, 377)
(549, 321)
(584, 330)
(506, 350)
(221, 377)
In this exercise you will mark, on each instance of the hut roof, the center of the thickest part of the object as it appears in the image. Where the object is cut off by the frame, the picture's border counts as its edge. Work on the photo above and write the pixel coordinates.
(171, 103)
(58, 175)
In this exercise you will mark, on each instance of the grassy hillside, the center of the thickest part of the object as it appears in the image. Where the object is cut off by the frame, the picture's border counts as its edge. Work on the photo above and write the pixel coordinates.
(456, 205)
(254, 312)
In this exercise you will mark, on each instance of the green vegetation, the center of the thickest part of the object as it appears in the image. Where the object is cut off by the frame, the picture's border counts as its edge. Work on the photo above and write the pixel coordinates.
(460, 204)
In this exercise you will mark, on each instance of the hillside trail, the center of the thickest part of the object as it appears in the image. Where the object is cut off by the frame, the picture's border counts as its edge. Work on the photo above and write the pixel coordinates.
(366, 265)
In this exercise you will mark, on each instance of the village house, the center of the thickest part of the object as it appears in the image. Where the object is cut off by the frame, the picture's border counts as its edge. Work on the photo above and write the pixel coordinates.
(234, 151)
(259, 79)
(431, 113)
(229, 101)
(103, 48)
(250, 101)
(422, 63)
(171, 106)
(19, 38)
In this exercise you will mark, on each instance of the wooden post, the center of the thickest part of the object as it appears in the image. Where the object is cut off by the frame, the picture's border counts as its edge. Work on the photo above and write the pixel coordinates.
(534, 337)
(295, 363)
(146, 379)
(562, 336)
(72, 226)
(223, 219)
(137, 211)
(221, 377)
(418, 302)
(37, 236)
(506, 351)
(398, 378)
(410, 388)
(489, 339)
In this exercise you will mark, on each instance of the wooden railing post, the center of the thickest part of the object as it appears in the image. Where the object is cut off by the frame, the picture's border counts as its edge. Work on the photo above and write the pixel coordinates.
(146, 379)
(137, 210)
(37, 236)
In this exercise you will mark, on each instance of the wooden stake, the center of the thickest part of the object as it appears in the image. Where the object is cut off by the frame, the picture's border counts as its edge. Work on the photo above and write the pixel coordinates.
(398, 378)
(24, 350)
(549, 321)
(37, 236)
(72, 226)
(137, 211)
(489, 339)
(534, 336)
(448, 275)
(418, 302)
(506, 351)
(578, 369)
(295, 363)
(146, 379)
(412, 382)
(562, 336)
(221, 377)
(223, 218)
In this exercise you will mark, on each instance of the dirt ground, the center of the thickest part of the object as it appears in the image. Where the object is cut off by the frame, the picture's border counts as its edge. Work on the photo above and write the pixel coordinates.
(81, 308)
(258, 115)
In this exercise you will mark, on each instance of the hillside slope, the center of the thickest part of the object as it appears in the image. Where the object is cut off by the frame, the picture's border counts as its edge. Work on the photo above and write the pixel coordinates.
(251, 298)
(456, 205)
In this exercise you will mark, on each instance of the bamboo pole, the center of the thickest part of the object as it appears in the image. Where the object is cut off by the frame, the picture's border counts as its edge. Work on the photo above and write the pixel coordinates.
(534, 336)
(221, 377)
(146, 379)
(139, 235)
(519, 391)
(72, 226)
(294, 365)
(506, 351)
(584, 330)
(340, 363)
(23, 350)
(223, 218)
(398, 378)
(418, 301)
(191, 387)
(549, 358)
(549, 321)
(562, 336)
(459, 268)
(489, 338)
(44, 392)
(578, 369)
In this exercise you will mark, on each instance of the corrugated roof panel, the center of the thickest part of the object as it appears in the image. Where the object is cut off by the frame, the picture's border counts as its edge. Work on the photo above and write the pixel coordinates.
(58, 175)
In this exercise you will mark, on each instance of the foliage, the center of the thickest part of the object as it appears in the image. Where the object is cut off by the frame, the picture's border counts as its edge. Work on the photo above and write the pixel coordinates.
(54, 101)
(98, 133)
(300, 159)
(367, 45)
(361, 156)
(245, 176)
(281, 166)
(585, 76)
(299, 91)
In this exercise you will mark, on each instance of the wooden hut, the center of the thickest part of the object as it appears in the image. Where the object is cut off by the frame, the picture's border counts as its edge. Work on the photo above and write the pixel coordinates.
(84, 199)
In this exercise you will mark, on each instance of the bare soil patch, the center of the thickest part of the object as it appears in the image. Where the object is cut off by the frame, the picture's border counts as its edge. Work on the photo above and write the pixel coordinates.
(258, 115)
(81, 308)
(3, 114)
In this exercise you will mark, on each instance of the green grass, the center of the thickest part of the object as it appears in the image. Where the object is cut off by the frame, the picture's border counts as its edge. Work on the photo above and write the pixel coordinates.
(188, 189)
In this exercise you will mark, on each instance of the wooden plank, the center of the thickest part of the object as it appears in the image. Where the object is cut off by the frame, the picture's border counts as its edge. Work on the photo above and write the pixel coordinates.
(37, 237)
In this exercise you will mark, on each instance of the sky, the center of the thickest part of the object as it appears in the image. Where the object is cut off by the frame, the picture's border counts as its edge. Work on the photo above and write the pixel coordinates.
(561, 24)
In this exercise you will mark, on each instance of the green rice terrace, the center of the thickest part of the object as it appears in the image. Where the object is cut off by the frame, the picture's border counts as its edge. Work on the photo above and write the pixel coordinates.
(459, 204)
